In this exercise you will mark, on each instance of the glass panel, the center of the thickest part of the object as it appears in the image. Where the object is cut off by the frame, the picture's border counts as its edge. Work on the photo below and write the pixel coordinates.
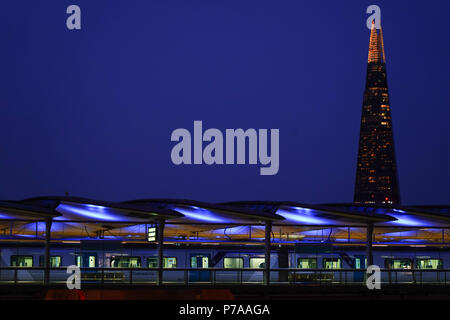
(332, 263)
(359, 264)
(193, 262)
(199, 261)
(126, 262)
(170, 262)
(55, 261)
(21, 261)
(91, 261)
(256, 263)
(233, 263)
(307, 263)
(429, 264)
(399, 263)
(152, 262)
(85, 259)
(205, 262)
(135, 263)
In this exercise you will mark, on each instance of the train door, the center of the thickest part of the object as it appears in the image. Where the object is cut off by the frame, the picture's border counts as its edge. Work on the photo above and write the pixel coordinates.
(87, 260)
(199, 261)
(360, 263)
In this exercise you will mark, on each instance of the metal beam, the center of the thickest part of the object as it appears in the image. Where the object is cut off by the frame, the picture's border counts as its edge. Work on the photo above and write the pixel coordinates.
(160, 251)
(369, 238)
(268, 233)
(48, 227)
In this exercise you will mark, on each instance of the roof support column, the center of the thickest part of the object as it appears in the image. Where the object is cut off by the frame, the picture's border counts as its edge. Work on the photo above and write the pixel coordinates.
(268, 234)
(48, 227)
(160, 251)
(369, 237)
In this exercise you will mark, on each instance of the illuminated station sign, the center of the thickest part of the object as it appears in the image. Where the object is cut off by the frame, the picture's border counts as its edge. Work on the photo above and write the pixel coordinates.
(151, 234)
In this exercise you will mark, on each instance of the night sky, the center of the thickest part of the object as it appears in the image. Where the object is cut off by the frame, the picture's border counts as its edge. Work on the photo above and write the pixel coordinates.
(91, 112)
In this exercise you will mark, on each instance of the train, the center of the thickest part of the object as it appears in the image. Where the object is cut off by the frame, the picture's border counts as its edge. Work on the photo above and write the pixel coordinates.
(183, 263)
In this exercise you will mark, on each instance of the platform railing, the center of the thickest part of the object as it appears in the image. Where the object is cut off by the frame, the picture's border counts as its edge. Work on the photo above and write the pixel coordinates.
(224, 276)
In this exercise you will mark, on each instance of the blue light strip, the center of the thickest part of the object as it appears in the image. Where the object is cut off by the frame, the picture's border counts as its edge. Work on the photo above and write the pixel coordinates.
(200, 214)
(4, 216)
(403, 218)
(408, 220)
(303, 216)
(98, 213)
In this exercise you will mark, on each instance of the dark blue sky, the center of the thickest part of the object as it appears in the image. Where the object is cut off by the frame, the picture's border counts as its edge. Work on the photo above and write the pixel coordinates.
(91, 112)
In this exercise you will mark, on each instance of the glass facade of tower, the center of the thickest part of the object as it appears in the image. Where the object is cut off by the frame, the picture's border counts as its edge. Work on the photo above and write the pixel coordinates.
(376, 172)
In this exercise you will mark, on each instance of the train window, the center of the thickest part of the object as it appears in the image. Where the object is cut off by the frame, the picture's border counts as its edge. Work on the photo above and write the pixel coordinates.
(307, 263)
(429, 263)
(332, 263)
(398, 263)
(200, 261)
(359, 263)
(256, 263)
(21, 261)
(235, 263)
(55, 261)
(91, 261)
(152, 262)
(168, 262)
(125, 262)
(84, 261)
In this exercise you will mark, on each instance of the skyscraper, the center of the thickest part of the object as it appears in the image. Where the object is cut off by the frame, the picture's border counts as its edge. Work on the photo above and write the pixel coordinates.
(376, 171)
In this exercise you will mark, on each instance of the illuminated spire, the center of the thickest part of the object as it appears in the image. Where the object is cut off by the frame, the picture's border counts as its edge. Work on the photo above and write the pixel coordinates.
(382, 44)
(376, 46)
(376, 171)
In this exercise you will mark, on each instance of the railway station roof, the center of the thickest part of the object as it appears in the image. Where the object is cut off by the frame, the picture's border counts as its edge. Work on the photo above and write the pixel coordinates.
(205, 212)
(405, 216)
(306, 214)
(81, 218)
(75, 218)
(12, 210)
(89, 210)
(65, 208)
